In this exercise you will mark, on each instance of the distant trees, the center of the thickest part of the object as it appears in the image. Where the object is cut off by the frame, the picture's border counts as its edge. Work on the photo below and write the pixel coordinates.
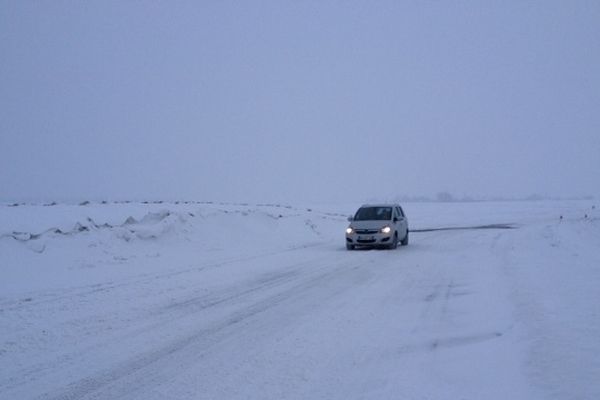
(444, 197)
(447, 197)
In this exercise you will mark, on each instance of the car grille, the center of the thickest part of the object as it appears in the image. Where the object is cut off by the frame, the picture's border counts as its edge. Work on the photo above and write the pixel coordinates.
(366, 241)
(366, 231)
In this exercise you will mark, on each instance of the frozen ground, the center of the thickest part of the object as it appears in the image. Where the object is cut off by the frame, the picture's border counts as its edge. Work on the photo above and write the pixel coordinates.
(221, 301)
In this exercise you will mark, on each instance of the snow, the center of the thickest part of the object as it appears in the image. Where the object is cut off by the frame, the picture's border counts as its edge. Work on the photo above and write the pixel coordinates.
(232, 301)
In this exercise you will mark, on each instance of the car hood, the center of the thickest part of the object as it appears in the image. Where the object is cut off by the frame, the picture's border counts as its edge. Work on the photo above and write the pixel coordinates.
(369, 224)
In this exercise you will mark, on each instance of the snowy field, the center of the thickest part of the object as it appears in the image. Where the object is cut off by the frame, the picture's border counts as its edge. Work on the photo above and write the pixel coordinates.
(224, 301)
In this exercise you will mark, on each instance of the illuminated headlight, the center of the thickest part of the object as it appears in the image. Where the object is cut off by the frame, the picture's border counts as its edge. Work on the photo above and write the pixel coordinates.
(349, 231)
(386, 229)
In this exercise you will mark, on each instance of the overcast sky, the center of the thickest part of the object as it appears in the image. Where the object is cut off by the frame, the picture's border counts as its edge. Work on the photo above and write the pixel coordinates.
(298, 101)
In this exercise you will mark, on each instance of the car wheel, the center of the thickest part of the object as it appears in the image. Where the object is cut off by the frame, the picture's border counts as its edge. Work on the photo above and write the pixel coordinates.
(404, 241)
(349, 246)
(395, 242)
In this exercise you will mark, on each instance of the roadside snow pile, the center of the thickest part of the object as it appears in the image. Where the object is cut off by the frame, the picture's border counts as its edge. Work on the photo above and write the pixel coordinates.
(61, 246)
(152, 226)
(210, 225)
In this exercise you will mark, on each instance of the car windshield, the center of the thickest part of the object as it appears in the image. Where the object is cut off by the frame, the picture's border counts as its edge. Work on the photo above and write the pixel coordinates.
(373, 213)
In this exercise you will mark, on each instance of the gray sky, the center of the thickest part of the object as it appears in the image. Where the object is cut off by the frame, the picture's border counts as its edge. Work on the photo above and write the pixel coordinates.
(298, 101)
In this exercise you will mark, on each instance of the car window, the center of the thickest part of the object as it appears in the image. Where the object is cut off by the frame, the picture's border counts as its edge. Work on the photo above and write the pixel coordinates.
(373, 213)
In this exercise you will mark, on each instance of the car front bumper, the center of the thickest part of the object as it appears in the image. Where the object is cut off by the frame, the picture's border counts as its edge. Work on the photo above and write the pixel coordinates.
(370, 239)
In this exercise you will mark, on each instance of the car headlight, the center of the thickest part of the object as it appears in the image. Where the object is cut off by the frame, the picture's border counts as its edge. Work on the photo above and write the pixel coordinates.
(386, 229)
(349, 230)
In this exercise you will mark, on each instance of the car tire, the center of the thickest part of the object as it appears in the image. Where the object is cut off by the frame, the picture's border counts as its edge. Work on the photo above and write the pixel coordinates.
(349, 246)
(404, 241)
(394, 244)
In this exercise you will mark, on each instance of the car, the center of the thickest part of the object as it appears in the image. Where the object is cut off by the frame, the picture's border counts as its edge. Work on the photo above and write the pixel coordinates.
(377, 225)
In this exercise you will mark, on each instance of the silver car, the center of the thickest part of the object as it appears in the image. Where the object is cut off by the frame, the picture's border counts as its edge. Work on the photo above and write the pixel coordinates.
(377, 225)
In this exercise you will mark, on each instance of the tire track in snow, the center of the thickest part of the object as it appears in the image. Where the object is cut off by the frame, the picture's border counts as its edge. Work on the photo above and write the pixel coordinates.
(167, 314)
(116, 381)
(34, 299)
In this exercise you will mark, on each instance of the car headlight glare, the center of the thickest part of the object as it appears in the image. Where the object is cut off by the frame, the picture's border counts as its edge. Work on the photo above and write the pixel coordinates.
(386, 229)
(349, 231)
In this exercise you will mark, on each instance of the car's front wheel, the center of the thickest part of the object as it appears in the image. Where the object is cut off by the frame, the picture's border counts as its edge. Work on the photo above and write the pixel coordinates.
(404, 241)
(395, 242)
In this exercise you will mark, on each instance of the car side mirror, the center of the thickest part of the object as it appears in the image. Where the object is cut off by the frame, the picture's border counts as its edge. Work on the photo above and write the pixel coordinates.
(350, 218)
(395, 219)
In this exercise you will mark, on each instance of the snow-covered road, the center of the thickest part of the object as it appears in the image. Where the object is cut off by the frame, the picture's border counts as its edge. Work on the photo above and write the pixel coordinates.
(457, 314)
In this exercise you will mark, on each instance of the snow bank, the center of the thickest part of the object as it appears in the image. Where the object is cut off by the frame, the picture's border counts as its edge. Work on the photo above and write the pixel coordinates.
(65, 245)
(225, 223)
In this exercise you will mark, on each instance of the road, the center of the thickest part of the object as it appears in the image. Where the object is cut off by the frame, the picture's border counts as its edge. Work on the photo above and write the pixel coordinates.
(433, 320)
